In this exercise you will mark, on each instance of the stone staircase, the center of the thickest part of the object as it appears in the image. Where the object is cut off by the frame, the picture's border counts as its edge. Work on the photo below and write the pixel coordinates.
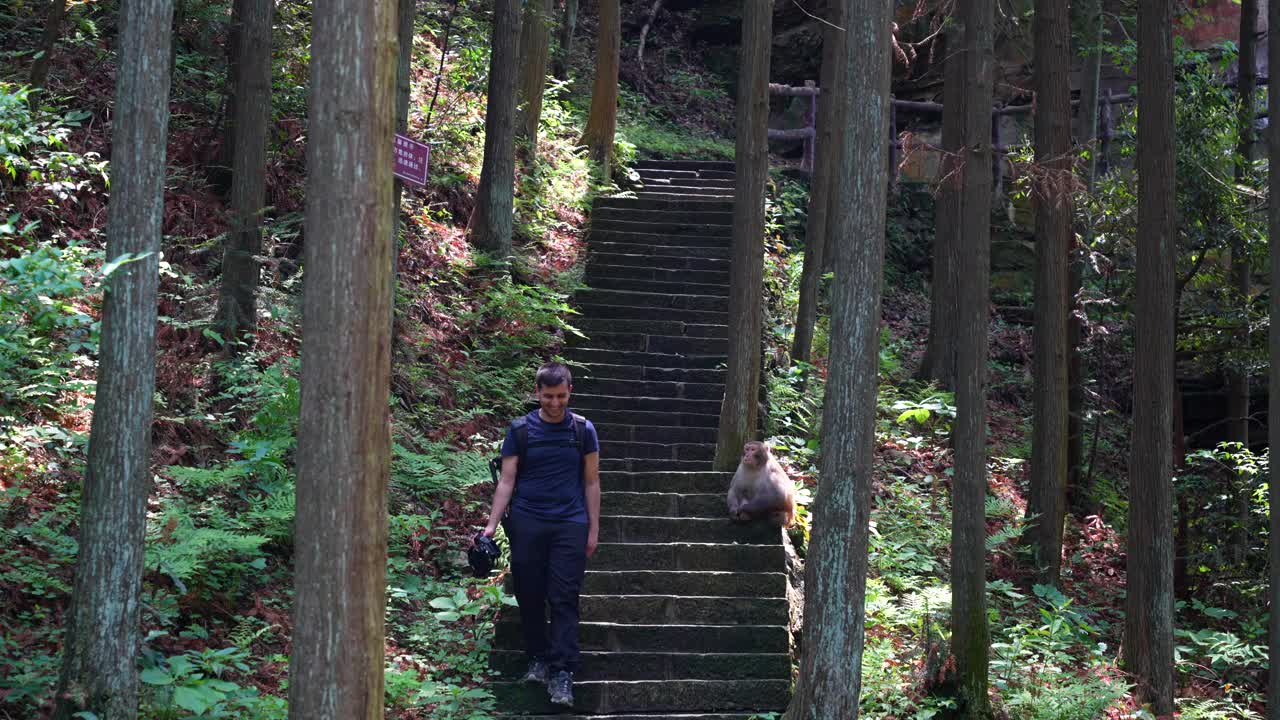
(684, 614)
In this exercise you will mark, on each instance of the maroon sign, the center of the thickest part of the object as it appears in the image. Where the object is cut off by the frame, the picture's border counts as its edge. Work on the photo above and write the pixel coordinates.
(411, 159)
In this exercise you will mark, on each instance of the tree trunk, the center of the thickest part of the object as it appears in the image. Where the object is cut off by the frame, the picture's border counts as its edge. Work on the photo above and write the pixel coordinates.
(970, 635)
(1079, 497)
(491, 221)
(818, 235)
(237, 305)
(1237, 378)
(99, 670)
(1273, 397)
(939, 361)
(535, 44)
(406, 15)
(560, 66)
(52, 31)
(830, 678)
(1051, 198)
(602, 122)
(344, 441)
(221, 173)
(740, 408)
(1148, 641)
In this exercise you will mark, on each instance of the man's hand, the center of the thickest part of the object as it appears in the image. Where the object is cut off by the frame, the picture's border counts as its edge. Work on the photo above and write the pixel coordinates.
(489, 531)
(593, 539)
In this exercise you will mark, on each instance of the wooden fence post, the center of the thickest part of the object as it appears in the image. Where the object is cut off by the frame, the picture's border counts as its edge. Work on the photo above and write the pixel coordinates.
(810, 123)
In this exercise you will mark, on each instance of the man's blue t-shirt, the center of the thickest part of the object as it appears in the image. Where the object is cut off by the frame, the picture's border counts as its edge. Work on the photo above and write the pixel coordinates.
(549, 482)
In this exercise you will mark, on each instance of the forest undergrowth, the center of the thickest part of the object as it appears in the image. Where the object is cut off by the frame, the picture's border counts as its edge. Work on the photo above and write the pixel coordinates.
(468, 334)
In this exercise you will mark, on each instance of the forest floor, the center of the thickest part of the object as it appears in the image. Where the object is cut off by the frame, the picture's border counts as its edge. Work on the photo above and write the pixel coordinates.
(218, 584)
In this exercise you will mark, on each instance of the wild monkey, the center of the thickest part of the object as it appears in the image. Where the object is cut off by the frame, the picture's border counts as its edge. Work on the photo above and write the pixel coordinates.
(761, 488)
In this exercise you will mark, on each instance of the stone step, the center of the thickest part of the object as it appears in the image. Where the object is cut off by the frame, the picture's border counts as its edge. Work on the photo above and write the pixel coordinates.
(696, 165)
(689, 583)
(657, 286)
(689, 556)
(660, 250)
(661, 344)
(636, 203)
(652, 388)
(675, 610)
(587, 355)
(598, 270)
(658, 666)
(585, 403)
(686, 193)
(675, 505)
(698, 481)
(653, 299)
(665, 262)
(610, 696)
(651, 326)
(623, 312)
(608, 418)
(634, 638)
(661, 227)
(637, 451)
(653, 374)
(644, 716)
(639, 529)
(643, 236)
(663, 216)
(655, 433)
(651, 182)
(637, 465)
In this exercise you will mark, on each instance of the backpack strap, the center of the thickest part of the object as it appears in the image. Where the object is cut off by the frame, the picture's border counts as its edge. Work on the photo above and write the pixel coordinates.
(521, 426)
(580, 433)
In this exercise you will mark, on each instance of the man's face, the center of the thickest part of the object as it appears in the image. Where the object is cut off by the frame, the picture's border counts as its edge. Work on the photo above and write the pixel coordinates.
(553, 399)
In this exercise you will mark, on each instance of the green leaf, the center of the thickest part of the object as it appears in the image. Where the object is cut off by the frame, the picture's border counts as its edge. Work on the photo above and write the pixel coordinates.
(156, 676)
(125, 259)
(197, 700)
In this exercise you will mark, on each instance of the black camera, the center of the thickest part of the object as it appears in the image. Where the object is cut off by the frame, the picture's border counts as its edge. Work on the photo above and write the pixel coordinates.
(483, 555)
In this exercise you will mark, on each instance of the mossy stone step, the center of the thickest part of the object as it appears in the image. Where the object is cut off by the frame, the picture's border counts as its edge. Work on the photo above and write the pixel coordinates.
(653, 299)
(606, 418)
(592, 311)
(597, 270)
(651, 388)
(588, 355)
(664, 262)
(687, 611)
(652, 326)
(689, 556)
(658, 666)
(655, 434)
(643, 236)
(661, 344)
(675, 227)
(677, 505)
(640, 529)
(630, 465)
(663, 216)
(607, 371)
(670, 482)
(637, 203)
(613, 696)
(721, 252)
(658, 286)
(585, 403)
(674, 192)
(644, 716)
(680, 638)
(635, 451)
(699, 166)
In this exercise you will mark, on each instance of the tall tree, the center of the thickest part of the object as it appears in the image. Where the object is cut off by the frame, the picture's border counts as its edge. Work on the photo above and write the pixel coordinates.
(602, 121)
(836, 571)
(1051, 197)
(819, 232)
(1237, 377)
(99, 660)
(237, 302)
(535, 45)
(344, 438)
(1273, 398)
(969, 632)
(491, 221)
(939, 361)
(406, 15)
(1148, 636)
(740, 408)
(53, 20)
(1089, 23)
(568, 23)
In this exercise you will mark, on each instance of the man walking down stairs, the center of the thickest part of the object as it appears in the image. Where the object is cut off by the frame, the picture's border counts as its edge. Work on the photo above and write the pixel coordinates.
(684, 614)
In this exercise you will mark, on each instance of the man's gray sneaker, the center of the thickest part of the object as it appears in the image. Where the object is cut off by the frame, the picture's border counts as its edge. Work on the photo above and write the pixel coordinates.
(538, 672)
(560, 687)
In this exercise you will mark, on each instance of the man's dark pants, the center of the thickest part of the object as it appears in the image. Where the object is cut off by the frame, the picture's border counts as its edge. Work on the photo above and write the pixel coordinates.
(548, 561)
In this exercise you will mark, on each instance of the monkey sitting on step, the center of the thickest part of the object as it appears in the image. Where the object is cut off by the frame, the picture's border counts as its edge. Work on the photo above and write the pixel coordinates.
(761, 488)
